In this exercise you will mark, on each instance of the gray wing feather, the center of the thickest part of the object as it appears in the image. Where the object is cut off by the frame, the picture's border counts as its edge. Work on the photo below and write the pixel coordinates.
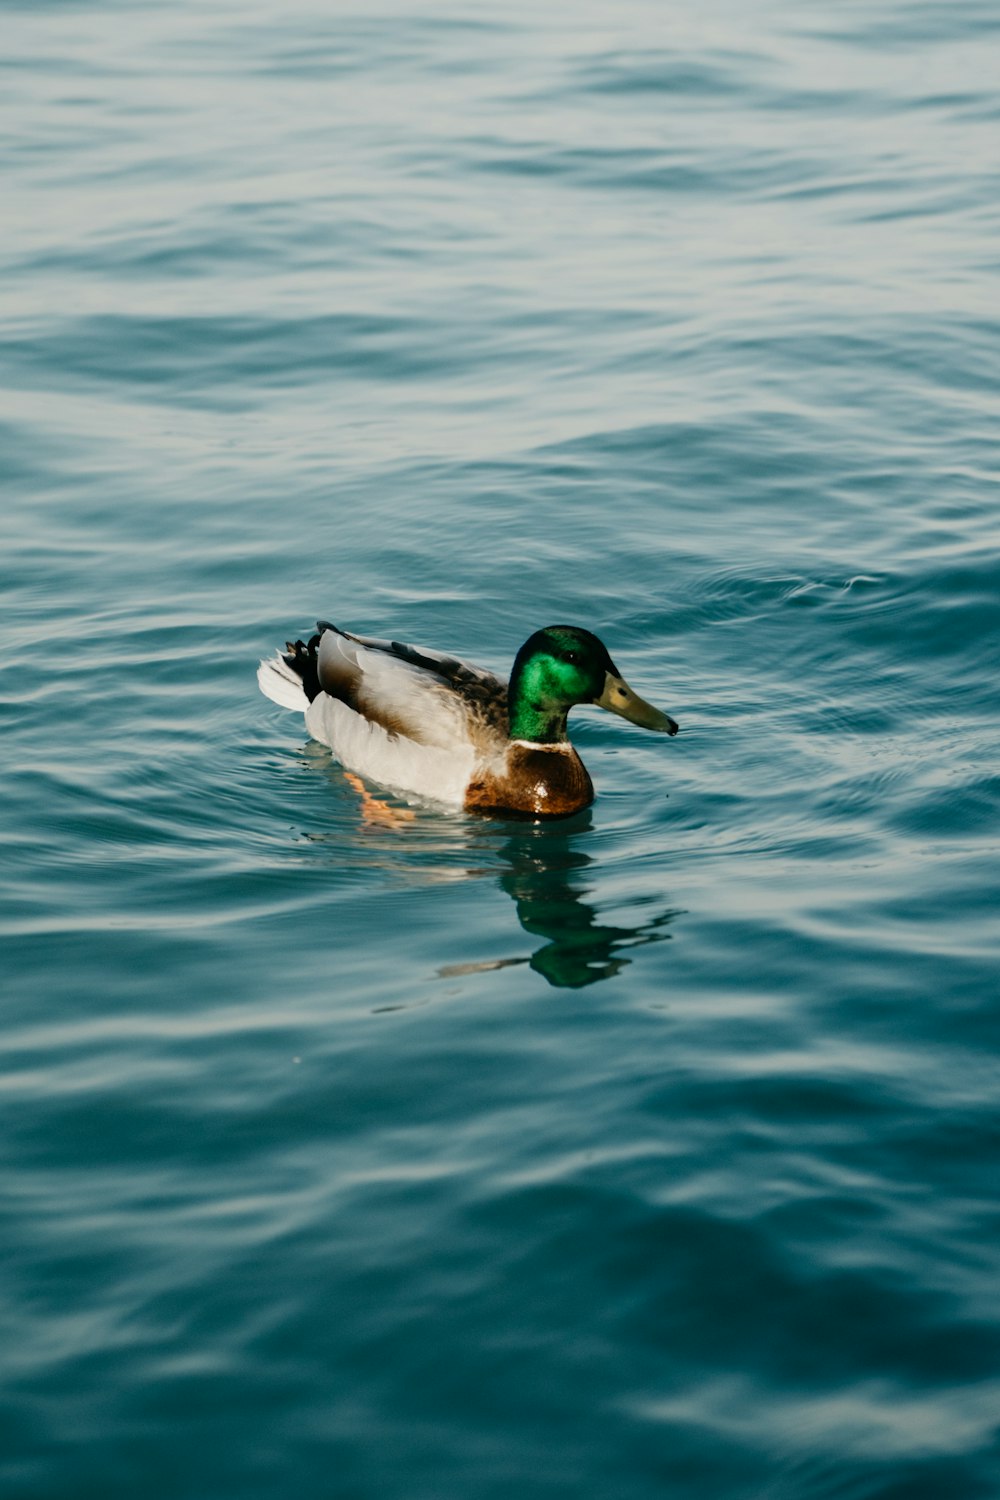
(410, 690)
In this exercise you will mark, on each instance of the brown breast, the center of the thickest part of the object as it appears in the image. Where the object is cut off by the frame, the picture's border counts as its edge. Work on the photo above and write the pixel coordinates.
(535, 782)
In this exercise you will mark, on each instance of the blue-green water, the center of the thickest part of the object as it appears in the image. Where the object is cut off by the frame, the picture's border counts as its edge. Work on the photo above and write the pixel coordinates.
(650, 1155)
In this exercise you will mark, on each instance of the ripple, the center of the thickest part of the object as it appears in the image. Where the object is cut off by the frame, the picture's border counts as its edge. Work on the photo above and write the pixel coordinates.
(651, 1153)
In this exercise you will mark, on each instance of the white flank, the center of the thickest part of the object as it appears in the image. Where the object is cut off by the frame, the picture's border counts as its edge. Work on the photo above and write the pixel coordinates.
(441, 775)
(279, 682)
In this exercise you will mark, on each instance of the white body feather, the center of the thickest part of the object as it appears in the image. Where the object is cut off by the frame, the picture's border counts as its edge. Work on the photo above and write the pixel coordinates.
(435, 762)
(433, 771)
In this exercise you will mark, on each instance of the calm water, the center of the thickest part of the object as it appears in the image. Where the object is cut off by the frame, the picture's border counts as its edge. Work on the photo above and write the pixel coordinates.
(654, 1154)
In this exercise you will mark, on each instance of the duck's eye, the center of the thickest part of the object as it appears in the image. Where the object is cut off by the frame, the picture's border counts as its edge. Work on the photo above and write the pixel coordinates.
(573, 656)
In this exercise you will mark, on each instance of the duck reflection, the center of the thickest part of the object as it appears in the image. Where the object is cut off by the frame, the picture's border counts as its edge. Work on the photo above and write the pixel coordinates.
(545, 877)
(540, 866)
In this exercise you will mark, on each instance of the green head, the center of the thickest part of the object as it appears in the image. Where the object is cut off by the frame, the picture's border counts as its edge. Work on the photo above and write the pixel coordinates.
(563, 665)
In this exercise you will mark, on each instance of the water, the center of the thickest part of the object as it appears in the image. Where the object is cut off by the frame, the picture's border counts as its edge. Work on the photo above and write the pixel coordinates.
(650, 1154)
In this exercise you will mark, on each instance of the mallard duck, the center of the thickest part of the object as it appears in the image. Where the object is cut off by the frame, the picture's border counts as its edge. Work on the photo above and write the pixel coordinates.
(422, 722)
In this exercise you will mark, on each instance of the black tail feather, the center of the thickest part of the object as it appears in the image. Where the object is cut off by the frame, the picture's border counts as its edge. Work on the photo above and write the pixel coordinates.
(301, 657)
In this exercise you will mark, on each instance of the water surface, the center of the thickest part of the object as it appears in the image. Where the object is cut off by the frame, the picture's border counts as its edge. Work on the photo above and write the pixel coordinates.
(653, 1153)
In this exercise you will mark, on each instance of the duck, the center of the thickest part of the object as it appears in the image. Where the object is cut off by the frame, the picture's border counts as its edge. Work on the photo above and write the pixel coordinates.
(433, 727)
